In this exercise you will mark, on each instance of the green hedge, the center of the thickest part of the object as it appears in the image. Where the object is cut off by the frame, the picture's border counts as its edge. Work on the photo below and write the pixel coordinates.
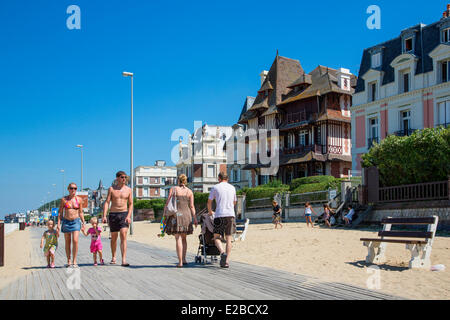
(200, 200)
(422, 157)
(296, 183)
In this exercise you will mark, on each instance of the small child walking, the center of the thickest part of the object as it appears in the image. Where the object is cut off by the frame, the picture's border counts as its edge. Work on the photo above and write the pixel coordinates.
(308, 213)
(96, 241)
(51, 243)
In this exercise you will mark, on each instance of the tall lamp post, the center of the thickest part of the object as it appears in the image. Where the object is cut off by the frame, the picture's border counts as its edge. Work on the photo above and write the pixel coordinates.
(81, 148)
(129, 74)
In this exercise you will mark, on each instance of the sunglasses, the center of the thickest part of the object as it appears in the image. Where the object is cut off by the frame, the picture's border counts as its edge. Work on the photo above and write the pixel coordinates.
(73, 188)
(123, 177)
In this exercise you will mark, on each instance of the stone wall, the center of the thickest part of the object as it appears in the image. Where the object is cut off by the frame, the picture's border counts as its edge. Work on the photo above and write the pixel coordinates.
(412, 210)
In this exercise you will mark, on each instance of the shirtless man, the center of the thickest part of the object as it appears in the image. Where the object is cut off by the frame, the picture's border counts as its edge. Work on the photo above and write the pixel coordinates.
(121, 200)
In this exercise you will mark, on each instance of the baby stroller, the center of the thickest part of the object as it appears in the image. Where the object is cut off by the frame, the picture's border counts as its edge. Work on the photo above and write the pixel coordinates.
(206, 240)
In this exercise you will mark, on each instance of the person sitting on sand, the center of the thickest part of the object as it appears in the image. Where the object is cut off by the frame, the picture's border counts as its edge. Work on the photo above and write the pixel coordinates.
(276, 214)
(308, 213)
(349, 216)
(96, 241)
(51, 243)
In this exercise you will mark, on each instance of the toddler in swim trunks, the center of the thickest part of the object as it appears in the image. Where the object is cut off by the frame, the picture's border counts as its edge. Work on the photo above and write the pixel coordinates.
(96, 241)
(51, 243)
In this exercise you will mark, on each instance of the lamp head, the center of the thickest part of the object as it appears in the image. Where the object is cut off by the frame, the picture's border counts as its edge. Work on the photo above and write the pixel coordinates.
(127, 74)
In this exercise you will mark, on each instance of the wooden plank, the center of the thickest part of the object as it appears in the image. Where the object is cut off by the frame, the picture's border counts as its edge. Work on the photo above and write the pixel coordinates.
(29, 287)
(405, 234)
(21, 290)
(408, 221)
(5, 292)
(395, 241)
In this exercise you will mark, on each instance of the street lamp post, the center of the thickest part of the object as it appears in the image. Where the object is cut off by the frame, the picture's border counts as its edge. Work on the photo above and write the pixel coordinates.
(129, 74)
(81, 148)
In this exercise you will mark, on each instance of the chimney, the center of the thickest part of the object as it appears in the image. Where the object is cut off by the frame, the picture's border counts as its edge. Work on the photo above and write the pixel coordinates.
(263, 76)
(344, 80)
(446, 13)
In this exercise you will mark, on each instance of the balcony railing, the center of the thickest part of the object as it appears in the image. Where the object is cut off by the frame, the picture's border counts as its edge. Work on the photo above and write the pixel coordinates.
(371, 141)
(317, 148)
(404, 132)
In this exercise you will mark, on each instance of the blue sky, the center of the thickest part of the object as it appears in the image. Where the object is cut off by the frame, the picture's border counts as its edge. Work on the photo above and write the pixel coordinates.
(192, 60)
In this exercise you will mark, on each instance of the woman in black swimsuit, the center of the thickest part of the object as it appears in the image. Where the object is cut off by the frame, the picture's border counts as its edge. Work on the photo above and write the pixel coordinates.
(276, 214)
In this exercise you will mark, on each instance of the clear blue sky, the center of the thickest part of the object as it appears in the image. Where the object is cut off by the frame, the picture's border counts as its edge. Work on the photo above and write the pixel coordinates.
(192, 60)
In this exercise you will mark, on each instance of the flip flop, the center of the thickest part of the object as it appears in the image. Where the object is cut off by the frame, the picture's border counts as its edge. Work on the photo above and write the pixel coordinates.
(223, 259)
(125, 264)
(226, 265)
(113, 262)
(67, 265)
(75, 266)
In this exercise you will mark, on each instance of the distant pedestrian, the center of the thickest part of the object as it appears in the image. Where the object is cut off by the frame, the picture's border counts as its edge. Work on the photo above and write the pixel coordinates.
(71, 210)
(224, 216)
(50, 237)
(308, 213)
(276, 214)
(179, 224)
(121, 198)
(327, 212)
(96, 241)
(349, 216)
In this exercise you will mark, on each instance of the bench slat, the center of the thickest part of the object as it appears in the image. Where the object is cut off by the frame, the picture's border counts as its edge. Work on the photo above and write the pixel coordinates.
(395, 241)
(407, 221)
(406, 234)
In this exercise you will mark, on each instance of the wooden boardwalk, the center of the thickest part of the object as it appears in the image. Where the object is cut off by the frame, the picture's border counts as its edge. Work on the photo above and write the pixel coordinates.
(153, 275)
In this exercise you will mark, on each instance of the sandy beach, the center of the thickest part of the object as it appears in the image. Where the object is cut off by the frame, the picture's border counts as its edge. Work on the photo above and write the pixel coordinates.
(17, 256)
(328, 254)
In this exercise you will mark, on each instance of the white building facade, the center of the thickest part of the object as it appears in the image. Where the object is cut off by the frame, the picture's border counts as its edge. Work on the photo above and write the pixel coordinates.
(403, 86)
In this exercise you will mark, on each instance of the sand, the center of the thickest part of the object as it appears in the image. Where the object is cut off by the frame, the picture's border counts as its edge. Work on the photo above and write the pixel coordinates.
(17, 257)
(327, 254)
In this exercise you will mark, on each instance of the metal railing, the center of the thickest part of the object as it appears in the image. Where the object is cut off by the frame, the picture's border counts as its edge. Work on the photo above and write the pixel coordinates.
(404, 132)
(422, 191)
(317, 148)
(313, 197)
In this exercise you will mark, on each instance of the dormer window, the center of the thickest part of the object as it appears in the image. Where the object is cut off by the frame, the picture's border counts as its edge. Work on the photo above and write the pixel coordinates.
(372, 91)
(404, 81)
(445, 35)
(444, 71)
(408, 45)
(376, 60)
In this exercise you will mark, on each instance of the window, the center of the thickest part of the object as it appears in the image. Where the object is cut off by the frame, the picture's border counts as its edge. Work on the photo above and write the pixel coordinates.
(373, 132)
(211, 171)
(444, 70)
(211, 150)
(443, 110)
(376, 60)
(156, 191)
(145, 192)
(404, 78)
(408, 46)
(405, 121)
(163, 180)
(445, 35)
(145, 180)
(372, 91)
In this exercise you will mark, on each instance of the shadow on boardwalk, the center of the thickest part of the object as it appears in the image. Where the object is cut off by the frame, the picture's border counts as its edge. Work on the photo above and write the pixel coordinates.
(153, 275)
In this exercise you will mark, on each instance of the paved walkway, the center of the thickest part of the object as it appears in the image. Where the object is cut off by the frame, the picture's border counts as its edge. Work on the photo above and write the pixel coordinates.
(153, 275)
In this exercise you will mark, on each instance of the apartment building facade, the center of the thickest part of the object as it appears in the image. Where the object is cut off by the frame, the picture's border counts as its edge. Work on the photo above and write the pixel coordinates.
(152, 181)
(403, 86)
(203, 157)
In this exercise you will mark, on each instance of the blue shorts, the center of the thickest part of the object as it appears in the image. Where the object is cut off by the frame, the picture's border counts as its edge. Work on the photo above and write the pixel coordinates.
(307, 214)
(69, 226)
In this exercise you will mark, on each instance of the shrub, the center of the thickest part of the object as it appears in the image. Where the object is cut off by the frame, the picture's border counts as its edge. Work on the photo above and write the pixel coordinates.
(311, 187)
(296, 183)
(422, 157)
(200, 200)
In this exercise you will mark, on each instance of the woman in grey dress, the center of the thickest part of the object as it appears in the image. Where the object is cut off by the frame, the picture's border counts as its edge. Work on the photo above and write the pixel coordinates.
(180, 224)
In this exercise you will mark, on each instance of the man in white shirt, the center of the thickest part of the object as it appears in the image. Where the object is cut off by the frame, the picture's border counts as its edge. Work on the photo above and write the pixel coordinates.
(224, 217)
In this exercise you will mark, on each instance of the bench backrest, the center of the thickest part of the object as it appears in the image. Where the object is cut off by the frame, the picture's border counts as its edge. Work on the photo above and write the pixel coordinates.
(432, 223)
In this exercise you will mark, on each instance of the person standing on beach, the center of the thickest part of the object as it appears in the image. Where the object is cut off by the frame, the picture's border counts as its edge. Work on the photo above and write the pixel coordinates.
(308, 213)
(224, 217)
(121, 198)
(72, 221)
(276, 214)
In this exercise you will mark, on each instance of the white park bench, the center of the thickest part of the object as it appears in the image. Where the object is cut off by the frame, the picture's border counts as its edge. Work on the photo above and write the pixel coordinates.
(241, 229)
(420, 247)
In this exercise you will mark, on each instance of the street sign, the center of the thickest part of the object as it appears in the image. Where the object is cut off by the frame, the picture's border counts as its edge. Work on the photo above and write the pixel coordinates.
(333, 194)
(55, 212)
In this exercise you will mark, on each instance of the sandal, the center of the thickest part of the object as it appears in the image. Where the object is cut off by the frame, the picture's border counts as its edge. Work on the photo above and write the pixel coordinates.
(223, 260)
(113, 262)
(75, 266)
(52, 265)
(125, 264)
(102, 262)
(226, 265)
